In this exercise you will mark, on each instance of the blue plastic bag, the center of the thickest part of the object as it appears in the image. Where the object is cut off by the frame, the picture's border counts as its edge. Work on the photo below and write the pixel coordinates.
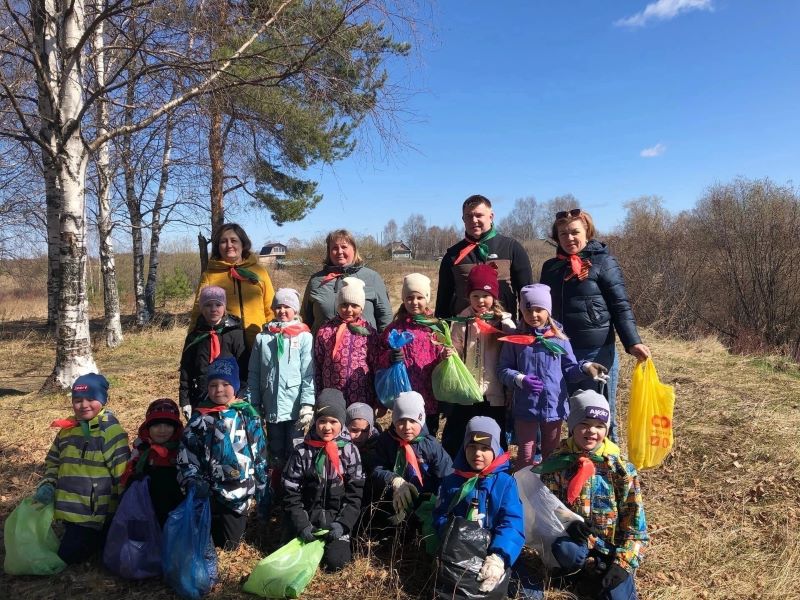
(133, 543)
(189, 557)
(394, 380)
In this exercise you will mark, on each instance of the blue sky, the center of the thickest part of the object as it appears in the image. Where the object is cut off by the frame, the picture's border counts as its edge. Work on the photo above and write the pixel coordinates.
(515, 98)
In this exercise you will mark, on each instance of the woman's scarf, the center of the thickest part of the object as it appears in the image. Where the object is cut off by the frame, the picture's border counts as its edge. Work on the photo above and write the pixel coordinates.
(482, 247)
(579, 265)
(243, 274)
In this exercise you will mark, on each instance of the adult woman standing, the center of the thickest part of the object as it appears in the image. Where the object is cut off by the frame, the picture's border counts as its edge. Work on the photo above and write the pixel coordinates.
(589, 298)
(248, 288)
(343, 260)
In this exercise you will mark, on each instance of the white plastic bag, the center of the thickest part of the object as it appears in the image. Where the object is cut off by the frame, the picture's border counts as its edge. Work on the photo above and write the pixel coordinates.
(546, 517)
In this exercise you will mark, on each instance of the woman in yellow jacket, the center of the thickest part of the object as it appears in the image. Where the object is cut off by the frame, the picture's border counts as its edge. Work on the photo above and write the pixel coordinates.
(247, 285)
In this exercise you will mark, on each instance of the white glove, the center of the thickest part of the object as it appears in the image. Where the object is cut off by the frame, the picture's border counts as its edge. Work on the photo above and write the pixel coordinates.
(492, 571)
(304, 419)
(596, 371)
(403, 494)
(187, 411)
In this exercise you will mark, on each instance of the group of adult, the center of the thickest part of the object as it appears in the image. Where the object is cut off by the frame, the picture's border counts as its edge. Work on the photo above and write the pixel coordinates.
(585, 280)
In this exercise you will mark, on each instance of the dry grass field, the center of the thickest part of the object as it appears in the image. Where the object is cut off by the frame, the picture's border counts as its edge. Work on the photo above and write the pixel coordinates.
(723, 510)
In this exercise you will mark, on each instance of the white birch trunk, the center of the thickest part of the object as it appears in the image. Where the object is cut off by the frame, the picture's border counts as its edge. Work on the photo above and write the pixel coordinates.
(112, 324)
(73, 346)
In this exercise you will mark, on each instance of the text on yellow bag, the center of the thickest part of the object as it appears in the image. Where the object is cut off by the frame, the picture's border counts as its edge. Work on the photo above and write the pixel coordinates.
(650, 434)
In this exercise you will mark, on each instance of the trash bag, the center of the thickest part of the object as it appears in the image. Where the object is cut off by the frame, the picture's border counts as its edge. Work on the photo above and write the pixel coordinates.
(452, 381)
(464, 548)
(546, 517)
(286, 572)
(30, 542)
(392, 381)
(133, 543)
(650, 434)
(189, 557)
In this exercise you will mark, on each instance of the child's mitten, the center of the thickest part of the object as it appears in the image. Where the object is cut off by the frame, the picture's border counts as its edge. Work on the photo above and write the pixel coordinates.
(335, 531)
(403, 494)
(308, 534)
(45, 494)
(492, 571)
(532, 384)
(305, 417)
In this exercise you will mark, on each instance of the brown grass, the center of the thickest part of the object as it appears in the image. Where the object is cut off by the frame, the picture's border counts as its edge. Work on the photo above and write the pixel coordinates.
(722, 510)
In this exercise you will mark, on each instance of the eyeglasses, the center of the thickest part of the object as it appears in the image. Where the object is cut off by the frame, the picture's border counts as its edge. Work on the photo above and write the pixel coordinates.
(563, 214)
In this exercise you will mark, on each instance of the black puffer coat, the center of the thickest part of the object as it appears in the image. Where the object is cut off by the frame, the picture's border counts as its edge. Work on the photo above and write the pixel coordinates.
(194, 360)
(592, 309)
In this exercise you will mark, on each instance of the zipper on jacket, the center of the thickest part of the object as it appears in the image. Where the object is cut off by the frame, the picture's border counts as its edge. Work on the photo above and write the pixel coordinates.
(83, 450)
(92, 498)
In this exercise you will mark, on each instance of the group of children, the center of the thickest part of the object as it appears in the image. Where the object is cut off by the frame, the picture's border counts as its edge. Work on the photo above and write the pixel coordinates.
(301, 431)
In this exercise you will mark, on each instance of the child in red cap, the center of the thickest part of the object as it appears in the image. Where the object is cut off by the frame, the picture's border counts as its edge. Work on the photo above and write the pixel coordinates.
(155, 454)
(475, 334)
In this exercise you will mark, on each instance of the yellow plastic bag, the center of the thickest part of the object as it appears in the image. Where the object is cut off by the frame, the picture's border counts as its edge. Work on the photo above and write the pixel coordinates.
(649, 417)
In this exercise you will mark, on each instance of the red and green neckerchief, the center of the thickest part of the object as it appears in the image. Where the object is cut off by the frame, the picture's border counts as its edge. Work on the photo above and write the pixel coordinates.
(407, 457)
(207, 407)
(584, 461)
(540, 338)
(290, 331)
(162, 452)
(579, 265)
(329, 277)
(240, 273)
(480, 322)
(472, 478)
(480, 246)
(330, 454)
(70, 422)
(353, 328)
(216, 346)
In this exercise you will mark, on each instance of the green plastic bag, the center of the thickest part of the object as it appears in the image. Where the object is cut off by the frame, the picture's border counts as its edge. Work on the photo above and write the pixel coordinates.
(286, 572)
(31, 545)
(424, 513)
(452, 381)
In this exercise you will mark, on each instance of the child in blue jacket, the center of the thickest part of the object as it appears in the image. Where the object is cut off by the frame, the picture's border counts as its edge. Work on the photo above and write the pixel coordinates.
(482, 472)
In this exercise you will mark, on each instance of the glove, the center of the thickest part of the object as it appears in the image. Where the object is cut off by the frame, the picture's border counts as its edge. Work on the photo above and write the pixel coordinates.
(397, 356)
(304, 418)
(492, 571)
(307, 535)
(532, 384)
(403, 494)
(613, 577)
(596, 371)
(580, 531)
(335, 531)
(45, 494)
(200, 487)
(187, 411)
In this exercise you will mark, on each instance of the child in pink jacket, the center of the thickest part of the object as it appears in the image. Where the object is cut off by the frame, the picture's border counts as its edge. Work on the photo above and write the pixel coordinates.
(421, 355)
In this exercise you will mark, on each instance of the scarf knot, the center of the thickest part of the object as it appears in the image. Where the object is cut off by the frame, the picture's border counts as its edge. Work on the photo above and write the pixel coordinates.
(283, 331)
(407, 458)
(481, 247)
(578, 266)
(330, 454)
(472, 478)
(241, 274)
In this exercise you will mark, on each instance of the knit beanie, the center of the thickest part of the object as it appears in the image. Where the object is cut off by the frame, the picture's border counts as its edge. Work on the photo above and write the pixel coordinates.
(212, 293)
(483, 278)
(483, 430)
(359, 410)
(330, 403)
(351, 292)
(409, 405)
(287, 297)
(536, 295)
(225, 368)
(587, 404)
(416, 282)
(163, 410)
(91, 386)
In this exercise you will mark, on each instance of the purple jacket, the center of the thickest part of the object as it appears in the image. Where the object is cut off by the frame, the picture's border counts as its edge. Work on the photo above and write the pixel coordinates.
(554, 370)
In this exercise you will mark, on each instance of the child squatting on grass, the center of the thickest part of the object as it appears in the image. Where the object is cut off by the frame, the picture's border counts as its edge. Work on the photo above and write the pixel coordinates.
(323, 483)
(155, 455)
(482, 474)
(592, 478)
(223, 454)
(83, 469)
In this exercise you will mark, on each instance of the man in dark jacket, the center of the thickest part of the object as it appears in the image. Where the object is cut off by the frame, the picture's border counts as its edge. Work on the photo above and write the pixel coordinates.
(481, 244)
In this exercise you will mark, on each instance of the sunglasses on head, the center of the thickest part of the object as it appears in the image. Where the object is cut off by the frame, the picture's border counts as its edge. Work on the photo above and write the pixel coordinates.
(563, 214)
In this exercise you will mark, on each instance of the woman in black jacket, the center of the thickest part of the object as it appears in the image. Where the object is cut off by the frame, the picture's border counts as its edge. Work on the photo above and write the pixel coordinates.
(589, 299)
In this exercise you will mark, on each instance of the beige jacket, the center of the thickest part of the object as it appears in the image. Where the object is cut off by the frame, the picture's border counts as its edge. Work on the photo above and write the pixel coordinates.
(480, 352)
